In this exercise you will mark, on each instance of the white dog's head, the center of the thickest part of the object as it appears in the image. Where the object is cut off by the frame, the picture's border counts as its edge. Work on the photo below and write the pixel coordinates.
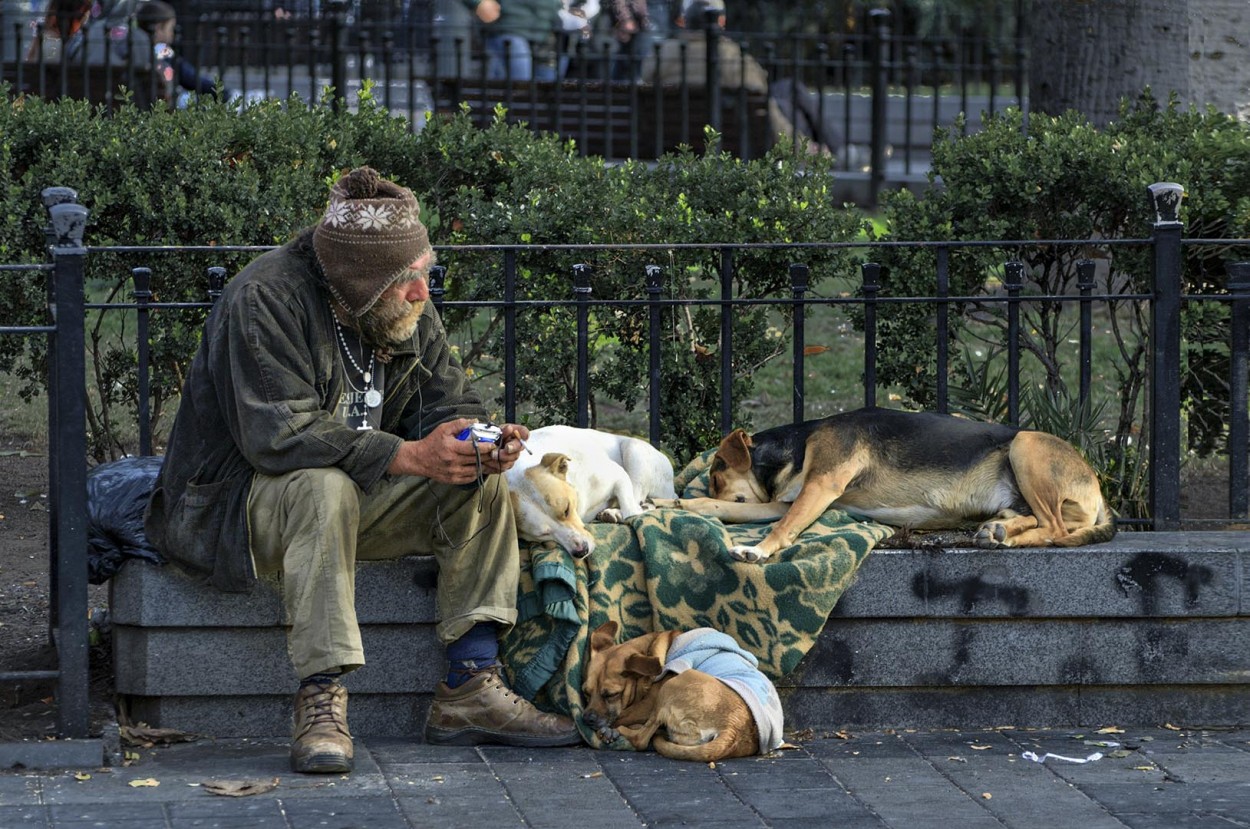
(547, 508)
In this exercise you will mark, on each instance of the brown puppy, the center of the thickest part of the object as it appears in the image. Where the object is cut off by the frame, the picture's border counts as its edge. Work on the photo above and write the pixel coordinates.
(702, 718)
(915, 470)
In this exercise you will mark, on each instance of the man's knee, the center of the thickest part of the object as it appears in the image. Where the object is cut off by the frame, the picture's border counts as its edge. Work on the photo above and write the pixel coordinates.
(301, 500)
(327, 485)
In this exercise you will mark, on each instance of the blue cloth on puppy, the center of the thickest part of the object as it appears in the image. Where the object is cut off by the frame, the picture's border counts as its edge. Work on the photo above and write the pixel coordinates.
(717, 654)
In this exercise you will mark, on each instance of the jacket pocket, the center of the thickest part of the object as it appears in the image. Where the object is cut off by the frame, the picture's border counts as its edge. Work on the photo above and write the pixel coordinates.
(207, 526)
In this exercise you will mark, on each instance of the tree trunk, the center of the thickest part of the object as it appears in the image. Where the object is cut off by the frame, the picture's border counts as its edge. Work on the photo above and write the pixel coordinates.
(1088, 54)
(1219, 42)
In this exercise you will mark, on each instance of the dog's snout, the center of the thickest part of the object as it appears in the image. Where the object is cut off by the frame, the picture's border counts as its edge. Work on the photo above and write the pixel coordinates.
(741, 499)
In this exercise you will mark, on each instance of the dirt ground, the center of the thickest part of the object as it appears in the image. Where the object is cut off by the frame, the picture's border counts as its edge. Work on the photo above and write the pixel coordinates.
(26, 709)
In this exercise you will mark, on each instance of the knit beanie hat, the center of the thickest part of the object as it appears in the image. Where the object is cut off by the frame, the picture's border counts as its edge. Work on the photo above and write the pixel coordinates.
(369, 235)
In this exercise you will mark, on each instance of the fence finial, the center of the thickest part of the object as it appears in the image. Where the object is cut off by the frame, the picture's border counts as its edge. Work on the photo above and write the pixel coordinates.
(1167, 197)
(69, 222)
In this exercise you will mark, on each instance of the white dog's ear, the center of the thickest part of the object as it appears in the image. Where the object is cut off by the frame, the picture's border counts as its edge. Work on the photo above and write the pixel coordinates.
(735, 450)
(557, 464)
(603, 636)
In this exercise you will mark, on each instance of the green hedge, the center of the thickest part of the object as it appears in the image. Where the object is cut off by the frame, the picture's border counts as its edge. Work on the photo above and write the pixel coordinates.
(215, 175)
(1063, 178)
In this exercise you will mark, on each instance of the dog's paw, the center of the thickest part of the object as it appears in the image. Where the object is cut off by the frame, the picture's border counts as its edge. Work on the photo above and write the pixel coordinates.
(991, 536)
(607, 734)
(612, 515)
(666, 503)
(745, 552)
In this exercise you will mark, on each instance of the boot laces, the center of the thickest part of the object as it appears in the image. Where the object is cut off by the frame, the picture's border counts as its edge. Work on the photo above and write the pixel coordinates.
(496, 680)
(318, 707)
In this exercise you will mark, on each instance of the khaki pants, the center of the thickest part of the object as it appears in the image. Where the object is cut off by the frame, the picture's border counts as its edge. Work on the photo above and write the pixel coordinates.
(312, 525)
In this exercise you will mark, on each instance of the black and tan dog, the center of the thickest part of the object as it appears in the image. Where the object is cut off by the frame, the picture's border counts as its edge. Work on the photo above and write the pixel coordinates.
(915, 470)
(656, 689)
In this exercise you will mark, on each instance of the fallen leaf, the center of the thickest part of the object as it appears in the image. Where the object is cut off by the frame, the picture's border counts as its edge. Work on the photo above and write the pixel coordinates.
(784, 746)
(957, 759)
(711, 764)
(81, 775)
(146, 736)
(240, 788)
(986, 795)
(1111, 729)
(592, 775)
(1143, 768)
(844, 735)
(438, 778)
(146, 782)
(1170, 727)
(1119, 754)
(978, 748)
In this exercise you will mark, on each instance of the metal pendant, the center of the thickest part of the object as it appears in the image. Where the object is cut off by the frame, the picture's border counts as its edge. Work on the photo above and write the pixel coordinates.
(373, 398)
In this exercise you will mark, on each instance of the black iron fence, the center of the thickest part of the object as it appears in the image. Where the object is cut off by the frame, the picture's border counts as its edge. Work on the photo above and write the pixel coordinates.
(871, 97)
(1159, 428)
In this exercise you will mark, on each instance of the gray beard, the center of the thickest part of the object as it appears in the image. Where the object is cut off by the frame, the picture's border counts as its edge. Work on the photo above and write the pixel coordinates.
(390, 323)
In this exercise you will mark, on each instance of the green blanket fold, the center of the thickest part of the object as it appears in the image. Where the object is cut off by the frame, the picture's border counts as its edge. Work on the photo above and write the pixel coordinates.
(671, 569)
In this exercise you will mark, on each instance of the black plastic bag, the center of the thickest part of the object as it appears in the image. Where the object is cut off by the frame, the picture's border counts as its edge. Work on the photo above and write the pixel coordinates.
(117, 495)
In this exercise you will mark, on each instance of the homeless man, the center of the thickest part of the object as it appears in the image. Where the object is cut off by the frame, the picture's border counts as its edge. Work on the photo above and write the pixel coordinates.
(318, 426)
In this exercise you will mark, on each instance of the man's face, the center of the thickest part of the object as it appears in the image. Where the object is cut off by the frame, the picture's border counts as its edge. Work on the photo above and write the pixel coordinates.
(394, 317)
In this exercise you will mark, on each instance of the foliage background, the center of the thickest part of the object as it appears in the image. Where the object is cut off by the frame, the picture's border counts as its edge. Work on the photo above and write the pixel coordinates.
(212, 175)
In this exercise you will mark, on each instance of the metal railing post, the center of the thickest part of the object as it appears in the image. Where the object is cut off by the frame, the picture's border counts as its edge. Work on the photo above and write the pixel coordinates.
(798, 288)
(509, 336)
(142, 294)
(871, 272)
(1013, 281)
(581, 291)
(655, 284)
(726, 339)
(68, 393)
(1085, 283)
(1165, 357)
(1239, 392)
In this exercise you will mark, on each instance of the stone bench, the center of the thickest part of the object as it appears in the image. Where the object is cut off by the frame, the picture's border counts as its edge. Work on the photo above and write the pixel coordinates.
(1148, 629)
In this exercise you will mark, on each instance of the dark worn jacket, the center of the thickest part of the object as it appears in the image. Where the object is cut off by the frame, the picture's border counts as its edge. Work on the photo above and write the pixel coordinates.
(260, 397)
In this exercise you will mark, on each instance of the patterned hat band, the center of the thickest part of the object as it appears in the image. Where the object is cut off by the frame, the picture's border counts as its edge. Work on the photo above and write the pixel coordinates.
(370, 234)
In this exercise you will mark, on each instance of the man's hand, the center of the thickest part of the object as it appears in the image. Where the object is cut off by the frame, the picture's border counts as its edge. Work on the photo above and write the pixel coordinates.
(441, 456)
(509, 448)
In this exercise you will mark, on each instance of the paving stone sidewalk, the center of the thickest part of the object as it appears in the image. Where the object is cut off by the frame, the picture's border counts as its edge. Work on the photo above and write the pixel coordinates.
(1170, 779)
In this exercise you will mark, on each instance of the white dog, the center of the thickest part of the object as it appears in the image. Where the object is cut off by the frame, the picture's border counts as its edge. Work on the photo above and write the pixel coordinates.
(576, 475)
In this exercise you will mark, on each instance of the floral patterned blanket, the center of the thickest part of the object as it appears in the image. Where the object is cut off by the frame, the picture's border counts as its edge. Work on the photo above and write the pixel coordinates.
(671, 569)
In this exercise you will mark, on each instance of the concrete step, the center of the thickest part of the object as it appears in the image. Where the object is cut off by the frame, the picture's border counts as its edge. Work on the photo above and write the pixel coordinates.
(1149, 628)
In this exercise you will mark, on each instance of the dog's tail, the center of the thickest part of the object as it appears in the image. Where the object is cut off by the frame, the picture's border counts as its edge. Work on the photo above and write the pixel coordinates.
(1104, 529)
(725, 744)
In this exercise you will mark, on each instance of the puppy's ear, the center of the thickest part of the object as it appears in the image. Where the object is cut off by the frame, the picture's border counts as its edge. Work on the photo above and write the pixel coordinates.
(642, 665)
(603, 637)
(557, 464)
(735, 450)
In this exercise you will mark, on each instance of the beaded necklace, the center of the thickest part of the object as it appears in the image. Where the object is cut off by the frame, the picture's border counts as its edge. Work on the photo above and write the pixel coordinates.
(373, 397)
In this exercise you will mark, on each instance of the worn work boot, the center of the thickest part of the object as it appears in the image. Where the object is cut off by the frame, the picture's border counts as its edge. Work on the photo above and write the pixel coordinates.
(485, 710)
(321, 743)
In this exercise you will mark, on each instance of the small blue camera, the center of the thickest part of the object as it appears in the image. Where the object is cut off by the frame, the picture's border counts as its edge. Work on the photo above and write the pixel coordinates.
(481, 433)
